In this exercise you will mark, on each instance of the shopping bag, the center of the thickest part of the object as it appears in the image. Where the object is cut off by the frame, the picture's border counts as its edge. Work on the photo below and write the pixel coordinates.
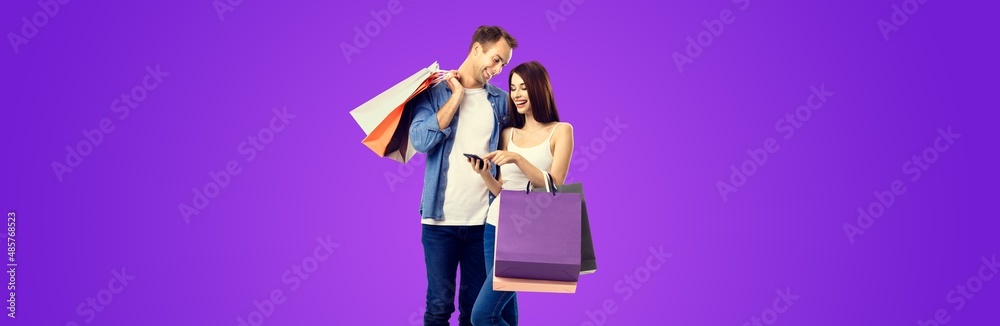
(588, 259)
(385, 119)
(529, 285)
(538, 235)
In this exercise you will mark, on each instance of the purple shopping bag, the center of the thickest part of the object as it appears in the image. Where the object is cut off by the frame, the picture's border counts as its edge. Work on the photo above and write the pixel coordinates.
(538, 235)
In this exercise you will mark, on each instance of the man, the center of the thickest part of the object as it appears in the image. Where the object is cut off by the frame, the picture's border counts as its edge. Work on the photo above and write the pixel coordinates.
(464, 115)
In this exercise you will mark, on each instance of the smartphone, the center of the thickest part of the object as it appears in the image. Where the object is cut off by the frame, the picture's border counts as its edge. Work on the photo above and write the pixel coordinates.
(477, 158)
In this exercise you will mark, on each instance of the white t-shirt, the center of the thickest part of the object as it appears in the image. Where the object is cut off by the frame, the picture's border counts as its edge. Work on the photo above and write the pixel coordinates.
(465, 195)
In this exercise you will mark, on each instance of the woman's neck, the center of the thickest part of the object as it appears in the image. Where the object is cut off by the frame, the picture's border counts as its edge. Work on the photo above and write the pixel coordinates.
(530, 124)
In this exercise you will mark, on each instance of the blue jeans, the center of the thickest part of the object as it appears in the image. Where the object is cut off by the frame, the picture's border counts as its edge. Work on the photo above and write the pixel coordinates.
(493, 308)
(445, 248)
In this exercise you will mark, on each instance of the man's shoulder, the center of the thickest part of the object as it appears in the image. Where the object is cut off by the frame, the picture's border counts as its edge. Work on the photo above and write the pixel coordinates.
(492, 88)
(438, 90)
(432, 95)
(499, 97)
(495, 91)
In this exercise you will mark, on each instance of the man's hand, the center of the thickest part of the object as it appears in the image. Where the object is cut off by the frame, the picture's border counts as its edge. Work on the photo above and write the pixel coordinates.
(481, 167)
(447, 112)
(455, 85)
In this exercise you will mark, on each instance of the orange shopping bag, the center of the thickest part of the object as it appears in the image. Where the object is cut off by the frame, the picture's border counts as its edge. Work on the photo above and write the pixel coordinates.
(529, 285)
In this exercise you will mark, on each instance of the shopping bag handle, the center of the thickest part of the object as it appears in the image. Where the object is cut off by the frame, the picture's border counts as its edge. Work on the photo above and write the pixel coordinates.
(550, 185)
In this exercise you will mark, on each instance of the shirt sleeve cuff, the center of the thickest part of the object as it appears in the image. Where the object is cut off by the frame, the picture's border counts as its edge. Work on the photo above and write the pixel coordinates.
(446, 132)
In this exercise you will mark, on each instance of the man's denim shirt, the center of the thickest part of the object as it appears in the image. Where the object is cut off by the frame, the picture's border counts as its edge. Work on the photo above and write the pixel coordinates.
(427, 137)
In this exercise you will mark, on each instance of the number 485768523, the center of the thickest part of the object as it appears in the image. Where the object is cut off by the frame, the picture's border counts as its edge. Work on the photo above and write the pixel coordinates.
(11, 218)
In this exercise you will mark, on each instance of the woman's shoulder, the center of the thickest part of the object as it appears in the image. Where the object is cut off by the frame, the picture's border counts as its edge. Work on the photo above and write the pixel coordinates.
(563, 128)
(504, 136)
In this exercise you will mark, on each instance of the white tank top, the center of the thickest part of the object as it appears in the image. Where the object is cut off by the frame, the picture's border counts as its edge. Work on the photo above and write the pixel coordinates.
(514, 179)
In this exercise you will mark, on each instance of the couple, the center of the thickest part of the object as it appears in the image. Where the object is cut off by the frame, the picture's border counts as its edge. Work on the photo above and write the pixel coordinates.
(519, 137)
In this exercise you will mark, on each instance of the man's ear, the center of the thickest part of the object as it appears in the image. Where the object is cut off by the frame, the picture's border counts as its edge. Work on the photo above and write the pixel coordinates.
(477, 48)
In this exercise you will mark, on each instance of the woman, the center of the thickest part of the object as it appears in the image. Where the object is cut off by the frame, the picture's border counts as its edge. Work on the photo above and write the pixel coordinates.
(535, 144)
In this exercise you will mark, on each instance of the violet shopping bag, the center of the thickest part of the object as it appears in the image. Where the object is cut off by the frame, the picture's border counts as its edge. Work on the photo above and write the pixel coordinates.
(588, 259)
(538, 235)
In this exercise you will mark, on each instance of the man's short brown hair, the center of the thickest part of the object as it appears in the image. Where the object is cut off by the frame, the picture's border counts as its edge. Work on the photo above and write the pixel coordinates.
(489, 35)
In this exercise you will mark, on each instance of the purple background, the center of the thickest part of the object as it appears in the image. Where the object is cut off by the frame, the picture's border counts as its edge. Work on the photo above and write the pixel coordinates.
(654, 185)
